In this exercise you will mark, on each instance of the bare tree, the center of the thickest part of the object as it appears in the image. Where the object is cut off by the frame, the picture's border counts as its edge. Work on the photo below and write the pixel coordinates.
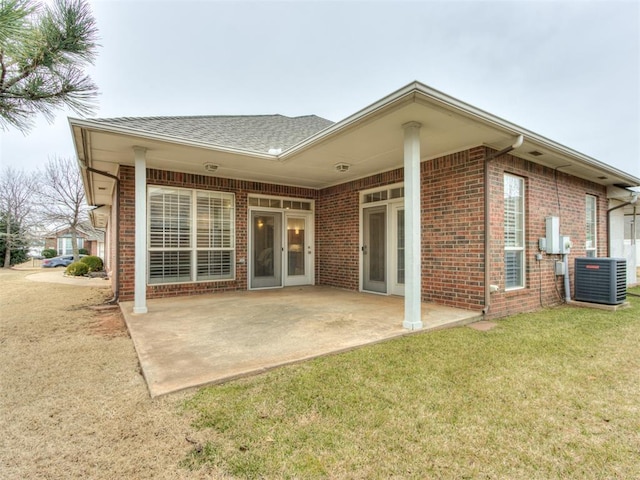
(62, 202)
(16, 205)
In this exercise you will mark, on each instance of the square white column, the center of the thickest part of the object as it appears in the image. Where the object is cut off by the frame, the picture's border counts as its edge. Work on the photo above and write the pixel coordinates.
(412, 222)
(140, 279)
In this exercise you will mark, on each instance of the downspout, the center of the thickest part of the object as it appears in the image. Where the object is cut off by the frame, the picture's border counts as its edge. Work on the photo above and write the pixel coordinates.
(487, 221)
(116, 293)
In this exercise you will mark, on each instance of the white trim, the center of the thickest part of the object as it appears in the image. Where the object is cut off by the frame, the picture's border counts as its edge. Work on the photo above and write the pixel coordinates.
(310, 240)
(193, 236)
(140, 278)
(309, 278)
(412, 222)
(393, 287)
(414, 92)
(523, 248)
(420, 93)
(311, 201)
(392, 235)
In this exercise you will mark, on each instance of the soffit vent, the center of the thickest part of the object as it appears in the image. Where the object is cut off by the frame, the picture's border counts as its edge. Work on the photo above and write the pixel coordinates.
(535, 153)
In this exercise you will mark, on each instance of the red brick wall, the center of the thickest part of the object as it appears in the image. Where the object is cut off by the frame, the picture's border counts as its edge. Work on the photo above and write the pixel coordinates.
(337, 230)
(240, 188)
(452, 202)
(542, 200)
(452, 189)
(453, 230)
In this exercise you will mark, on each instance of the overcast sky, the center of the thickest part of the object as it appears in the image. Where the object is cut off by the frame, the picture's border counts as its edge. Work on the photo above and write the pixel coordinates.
(568, 70)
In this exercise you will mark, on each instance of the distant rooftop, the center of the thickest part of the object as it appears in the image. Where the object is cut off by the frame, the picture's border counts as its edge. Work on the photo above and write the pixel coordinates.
(256, 133)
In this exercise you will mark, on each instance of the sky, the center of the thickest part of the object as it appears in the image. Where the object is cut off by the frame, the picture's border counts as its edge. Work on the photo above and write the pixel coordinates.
(567, 70)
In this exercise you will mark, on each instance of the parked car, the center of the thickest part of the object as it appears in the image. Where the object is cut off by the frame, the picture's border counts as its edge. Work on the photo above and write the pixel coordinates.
(59, 261)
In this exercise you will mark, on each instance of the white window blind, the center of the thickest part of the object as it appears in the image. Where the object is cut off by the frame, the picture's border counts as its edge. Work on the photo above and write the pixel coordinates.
(514, 233)
(215, 236)
(191, 235)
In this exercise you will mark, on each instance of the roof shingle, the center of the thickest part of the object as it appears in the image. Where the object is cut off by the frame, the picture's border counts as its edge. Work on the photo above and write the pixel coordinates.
(256, 133)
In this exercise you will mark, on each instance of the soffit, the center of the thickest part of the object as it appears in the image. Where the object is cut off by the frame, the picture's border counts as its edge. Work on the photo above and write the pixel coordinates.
(371, 141)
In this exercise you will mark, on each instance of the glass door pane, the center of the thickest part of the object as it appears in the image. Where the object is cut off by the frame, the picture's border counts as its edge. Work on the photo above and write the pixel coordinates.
(395, 233)
(400, 247)
(374, 250)
(296, 246)
(299, 243)
(266, 246)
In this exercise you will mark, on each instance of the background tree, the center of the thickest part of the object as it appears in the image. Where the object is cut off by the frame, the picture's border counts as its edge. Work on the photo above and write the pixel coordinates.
(62, 202)
(17, 251)
(17, 190)
(42, 52)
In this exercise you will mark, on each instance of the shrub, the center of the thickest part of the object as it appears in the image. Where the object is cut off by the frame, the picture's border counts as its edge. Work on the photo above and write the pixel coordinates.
(83, 251)
(49, 253)
(94, 263)
(77, 269)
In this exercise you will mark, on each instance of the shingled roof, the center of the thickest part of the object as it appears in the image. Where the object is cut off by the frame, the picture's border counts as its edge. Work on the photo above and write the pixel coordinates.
(256, 133)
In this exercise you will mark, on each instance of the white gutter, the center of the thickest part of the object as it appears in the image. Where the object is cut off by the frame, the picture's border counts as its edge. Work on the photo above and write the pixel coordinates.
(403, 93)
(418, 92)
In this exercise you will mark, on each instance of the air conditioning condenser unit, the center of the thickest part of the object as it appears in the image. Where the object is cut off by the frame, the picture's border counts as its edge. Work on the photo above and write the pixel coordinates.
(601, 280)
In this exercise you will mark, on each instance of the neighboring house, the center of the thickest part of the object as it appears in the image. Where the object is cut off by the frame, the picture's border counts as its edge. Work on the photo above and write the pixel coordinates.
(418, 194)
(88, 238)
(625, 223)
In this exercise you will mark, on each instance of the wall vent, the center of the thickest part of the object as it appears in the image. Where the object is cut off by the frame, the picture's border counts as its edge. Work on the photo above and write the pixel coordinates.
(601, 280)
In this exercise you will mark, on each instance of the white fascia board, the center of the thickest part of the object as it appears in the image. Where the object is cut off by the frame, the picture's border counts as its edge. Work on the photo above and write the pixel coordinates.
(350, 120)
(413, 93)
(488, 118)
(82, 157)
(109, 128)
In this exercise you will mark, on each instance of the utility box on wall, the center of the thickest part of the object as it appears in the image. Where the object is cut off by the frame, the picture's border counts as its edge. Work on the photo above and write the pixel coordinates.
(553, 235)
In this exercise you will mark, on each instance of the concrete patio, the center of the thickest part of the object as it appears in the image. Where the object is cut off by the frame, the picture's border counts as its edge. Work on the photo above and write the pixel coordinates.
(186, 342)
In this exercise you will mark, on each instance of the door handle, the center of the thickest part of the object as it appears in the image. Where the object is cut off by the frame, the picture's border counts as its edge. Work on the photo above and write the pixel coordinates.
(364, 249)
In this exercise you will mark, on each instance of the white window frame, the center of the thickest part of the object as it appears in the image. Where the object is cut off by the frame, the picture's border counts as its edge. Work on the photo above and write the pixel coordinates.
(65, 246)
(392, 197)
(193, 248)
(518, 233)
(591, 226)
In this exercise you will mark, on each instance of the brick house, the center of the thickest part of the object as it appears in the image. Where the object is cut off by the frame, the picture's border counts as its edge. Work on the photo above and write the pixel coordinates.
(418, 194)
(89, 238)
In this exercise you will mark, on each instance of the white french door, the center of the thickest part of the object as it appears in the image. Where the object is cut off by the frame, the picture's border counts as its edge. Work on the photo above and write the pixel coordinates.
(298, 248)
(383, 248)
(266, 249)
(396, 251)
(374, 249)
(281, 249)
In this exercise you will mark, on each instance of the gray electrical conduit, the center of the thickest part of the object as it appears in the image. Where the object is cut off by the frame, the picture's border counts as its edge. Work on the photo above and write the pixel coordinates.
(487, 221)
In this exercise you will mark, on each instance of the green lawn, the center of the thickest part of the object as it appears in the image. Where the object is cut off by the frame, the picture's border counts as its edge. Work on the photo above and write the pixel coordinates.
(553, 394)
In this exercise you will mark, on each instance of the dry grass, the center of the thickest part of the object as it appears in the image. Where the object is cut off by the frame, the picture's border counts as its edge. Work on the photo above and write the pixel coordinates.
(548, 395)
(72, 401)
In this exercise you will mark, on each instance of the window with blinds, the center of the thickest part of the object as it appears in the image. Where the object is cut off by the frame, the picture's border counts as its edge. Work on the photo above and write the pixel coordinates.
(215, 236)
(514, 233)
(591, 226)
(191, 235)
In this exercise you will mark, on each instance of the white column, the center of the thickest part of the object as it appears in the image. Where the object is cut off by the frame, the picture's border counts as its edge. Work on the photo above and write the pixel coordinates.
(412, 222)
(140, 285)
